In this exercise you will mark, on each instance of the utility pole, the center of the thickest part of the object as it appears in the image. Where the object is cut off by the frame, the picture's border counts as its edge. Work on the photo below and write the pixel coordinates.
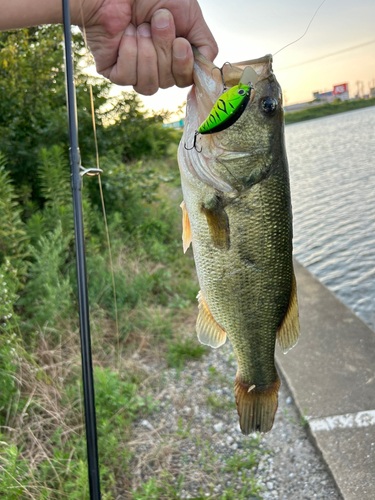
(362, 89)
(357, 83)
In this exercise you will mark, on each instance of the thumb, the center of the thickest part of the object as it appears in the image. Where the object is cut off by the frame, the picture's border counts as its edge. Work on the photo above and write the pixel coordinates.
(201, 37)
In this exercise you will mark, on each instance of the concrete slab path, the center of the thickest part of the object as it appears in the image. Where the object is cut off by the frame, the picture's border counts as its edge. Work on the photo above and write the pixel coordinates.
(331, 373)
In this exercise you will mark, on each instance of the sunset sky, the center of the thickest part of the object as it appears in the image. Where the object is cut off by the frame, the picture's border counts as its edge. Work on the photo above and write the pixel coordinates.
(247, 29)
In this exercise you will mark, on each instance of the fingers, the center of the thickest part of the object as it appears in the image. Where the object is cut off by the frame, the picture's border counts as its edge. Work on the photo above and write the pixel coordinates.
(124, 72)
(162, 60)
(147, 54)
(183, 62)
(203, 40)
(163, 35)
(190, 24)
(147, 67)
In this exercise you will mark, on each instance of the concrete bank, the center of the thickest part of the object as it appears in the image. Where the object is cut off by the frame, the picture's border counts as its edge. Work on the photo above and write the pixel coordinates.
(331, 374)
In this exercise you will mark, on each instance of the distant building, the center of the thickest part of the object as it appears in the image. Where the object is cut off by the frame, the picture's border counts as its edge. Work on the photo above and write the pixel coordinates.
(372, 92)
(177, 125)
(341, 91)
(325, 96)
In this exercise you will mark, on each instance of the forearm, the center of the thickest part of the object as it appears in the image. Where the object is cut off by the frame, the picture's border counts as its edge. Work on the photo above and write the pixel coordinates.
(22, 13)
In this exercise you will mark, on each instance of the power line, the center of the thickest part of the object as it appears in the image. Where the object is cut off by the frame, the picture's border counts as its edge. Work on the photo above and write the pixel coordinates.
(328, 55)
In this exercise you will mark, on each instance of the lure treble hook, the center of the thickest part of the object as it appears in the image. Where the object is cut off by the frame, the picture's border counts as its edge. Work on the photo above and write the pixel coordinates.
(221, 73)
(194, 146)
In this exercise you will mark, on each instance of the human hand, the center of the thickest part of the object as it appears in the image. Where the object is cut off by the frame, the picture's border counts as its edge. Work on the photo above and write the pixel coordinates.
(145, 43)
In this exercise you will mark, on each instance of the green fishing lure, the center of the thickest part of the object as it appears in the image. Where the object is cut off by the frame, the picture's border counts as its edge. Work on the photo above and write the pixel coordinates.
(229, 107)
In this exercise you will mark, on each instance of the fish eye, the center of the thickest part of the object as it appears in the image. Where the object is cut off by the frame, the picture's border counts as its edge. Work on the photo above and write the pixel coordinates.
(268, 105)
(240, 91)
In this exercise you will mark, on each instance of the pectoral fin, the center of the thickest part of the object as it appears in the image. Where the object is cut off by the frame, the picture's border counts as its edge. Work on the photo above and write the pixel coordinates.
(209, 332)
(288, 331)
(186, 230)
(218, 224)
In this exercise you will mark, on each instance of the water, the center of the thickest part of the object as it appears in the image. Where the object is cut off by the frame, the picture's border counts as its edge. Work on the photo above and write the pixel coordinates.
(332, 170)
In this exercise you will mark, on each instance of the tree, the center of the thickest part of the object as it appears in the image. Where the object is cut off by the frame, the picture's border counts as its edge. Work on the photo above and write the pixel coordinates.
(33, 109)
(33, 102)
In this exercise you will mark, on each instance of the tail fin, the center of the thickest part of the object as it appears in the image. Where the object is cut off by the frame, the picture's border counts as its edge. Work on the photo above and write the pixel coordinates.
(256, 406)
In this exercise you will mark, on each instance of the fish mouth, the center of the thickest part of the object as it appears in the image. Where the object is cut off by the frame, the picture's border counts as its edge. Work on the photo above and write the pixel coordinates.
(208, 84)
(231, 72)
(199, 154)
(267, 59)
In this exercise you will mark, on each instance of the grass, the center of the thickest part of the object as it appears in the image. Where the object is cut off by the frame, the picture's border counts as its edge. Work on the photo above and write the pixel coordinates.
(42, 438)
(43, 451)
(238, 463)
(182, 350)
(327, 109)
(42, 444)
(220, 403)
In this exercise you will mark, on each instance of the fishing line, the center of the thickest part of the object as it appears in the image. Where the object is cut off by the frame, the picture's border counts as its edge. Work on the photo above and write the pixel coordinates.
(308, 26)
(328, 55)
(106, 229)
(102, 202)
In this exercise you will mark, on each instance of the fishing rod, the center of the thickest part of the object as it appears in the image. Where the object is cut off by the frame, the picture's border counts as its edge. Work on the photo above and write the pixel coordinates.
(76, 183)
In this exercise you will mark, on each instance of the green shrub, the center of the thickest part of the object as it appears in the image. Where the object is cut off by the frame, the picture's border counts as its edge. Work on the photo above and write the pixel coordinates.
(182, 350)
(9, 286)
(13, 238)
(14, 472)
(48, 293)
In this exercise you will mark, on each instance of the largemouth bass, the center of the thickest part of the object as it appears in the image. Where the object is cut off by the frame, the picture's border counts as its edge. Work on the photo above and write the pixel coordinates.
(237, 214)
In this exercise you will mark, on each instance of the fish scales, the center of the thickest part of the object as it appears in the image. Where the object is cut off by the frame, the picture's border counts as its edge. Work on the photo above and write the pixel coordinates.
(237, 203)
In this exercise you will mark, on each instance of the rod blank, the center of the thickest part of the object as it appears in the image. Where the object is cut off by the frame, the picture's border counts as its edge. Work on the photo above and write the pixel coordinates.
(76, 183)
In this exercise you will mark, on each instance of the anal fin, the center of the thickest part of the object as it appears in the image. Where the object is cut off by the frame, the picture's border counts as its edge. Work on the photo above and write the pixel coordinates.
(209, 332)
(288, 331)
(186, 230)
(256, 406)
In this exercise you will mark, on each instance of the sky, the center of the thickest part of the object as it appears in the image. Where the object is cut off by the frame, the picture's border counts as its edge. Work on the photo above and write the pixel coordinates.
(249, 29)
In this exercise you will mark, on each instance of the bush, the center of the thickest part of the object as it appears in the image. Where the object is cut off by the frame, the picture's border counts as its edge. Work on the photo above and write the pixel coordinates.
(13, 238)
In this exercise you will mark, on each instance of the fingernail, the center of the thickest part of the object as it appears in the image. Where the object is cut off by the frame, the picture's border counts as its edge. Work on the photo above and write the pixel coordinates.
(130, 30)
(144, 30)
(161, 18)
(179, 50)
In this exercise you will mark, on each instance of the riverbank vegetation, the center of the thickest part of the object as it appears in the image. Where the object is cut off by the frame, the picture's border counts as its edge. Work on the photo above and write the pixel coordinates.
(42, 443)
(337, 106)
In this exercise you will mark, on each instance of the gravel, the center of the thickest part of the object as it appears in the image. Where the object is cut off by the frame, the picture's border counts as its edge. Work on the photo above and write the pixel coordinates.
(195, 435)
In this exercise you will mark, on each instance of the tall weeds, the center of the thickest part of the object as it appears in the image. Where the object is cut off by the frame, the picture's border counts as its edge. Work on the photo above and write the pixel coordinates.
(42, 445)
